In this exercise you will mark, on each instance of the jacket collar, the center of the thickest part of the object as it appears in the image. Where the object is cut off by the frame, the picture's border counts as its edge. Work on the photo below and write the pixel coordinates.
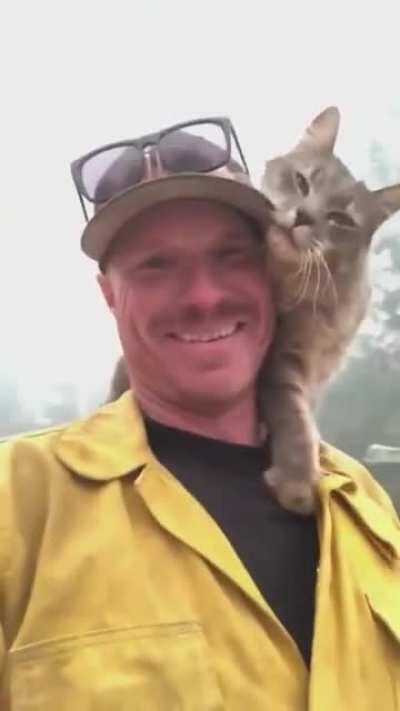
(108, 444)
(111, 443)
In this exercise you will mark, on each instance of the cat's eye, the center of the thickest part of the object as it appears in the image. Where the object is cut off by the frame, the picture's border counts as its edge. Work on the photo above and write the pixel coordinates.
(341, 219)
(302, 183)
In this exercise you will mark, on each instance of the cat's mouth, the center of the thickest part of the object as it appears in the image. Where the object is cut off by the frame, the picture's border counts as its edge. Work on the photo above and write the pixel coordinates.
(208, 336)
(303, 236)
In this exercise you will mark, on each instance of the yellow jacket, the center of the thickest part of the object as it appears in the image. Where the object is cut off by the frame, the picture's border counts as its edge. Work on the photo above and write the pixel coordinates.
(118, 592)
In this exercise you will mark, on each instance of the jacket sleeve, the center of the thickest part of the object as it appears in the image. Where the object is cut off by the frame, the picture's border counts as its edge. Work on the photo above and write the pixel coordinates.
(5, 554)
(2, 660)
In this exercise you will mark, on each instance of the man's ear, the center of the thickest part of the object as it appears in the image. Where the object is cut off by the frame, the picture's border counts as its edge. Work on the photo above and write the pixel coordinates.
(107, 290)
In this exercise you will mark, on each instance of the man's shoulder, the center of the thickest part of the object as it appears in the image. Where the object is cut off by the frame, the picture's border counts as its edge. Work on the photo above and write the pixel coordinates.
(28, 463)
(105, 444)
(28, 469)
(29, 442)
(29, 435)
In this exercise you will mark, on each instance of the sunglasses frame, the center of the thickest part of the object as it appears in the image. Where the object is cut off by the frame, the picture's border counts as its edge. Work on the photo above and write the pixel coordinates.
(153, 140)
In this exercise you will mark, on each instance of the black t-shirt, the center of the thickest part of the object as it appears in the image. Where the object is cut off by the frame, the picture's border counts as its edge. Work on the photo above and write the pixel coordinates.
(278, 548)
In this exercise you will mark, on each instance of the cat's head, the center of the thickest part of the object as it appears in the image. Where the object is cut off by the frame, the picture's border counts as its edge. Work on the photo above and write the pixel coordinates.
(318, 199)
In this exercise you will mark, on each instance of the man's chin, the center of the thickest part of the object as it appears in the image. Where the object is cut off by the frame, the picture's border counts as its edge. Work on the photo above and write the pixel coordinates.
(212, 396)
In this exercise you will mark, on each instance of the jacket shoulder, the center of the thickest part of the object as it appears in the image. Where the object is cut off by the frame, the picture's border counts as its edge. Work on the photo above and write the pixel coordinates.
(25, 451)
(355, 470)
(31, 434)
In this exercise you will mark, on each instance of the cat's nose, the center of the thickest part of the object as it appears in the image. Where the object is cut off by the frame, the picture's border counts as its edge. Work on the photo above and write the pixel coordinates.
(303, 219)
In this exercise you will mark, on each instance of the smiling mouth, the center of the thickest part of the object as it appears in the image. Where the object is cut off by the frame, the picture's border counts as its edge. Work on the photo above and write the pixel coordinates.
(209, 337)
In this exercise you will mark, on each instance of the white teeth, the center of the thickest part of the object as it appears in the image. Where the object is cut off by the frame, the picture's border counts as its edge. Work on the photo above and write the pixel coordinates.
(206, 337)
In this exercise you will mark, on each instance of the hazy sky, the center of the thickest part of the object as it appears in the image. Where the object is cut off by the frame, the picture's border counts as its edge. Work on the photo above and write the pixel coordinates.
(79, 74)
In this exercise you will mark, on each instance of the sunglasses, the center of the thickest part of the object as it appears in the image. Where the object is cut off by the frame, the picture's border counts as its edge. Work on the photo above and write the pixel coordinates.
(199, 146)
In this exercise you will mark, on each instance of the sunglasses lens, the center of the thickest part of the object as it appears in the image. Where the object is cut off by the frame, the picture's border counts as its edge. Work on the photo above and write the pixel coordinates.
(199, 148)
(111, 171)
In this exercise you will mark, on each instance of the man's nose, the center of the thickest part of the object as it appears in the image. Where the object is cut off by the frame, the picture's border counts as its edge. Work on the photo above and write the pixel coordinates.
(202, 287)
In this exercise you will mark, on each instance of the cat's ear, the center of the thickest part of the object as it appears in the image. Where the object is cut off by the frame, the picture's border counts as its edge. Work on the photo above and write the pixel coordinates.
(323, 131)
(388, 201)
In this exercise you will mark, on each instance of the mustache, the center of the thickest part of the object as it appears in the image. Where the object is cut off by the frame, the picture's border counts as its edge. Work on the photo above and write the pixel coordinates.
(199, 315)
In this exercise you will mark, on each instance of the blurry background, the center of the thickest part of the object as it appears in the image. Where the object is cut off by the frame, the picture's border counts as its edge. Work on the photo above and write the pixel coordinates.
(77, 75)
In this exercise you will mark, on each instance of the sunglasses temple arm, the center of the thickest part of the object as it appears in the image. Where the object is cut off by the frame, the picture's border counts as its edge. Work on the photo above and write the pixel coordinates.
(240, 149)
(83, 206)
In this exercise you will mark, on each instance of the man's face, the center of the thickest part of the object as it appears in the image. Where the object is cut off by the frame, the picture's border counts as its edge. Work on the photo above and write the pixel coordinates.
(187, 285)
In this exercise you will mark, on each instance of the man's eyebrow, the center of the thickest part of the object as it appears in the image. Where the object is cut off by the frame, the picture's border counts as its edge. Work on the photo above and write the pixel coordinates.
(249, 236)
(148, 252)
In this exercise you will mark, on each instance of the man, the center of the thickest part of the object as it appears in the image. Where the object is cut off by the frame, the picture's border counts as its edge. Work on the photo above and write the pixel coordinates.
(143, 565)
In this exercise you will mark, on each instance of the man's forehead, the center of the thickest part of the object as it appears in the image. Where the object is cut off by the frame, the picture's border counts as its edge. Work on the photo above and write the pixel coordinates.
(211, 223)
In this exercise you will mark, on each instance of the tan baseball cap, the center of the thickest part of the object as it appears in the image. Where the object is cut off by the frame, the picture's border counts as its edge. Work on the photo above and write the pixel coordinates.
(111, 217)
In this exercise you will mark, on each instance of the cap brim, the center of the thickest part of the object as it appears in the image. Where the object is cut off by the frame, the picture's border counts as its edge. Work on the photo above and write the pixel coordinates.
(113, 215)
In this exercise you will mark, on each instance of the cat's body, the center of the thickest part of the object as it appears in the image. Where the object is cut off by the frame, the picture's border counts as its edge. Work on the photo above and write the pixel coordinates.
(317, 263)
(319, 271)
(310, 343)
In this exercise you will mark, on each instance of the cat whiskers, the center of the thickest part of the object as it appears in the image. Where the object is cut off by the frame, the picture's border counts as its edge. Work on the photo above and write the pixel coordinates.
(320, 262)
(315, 256)
(302, 278)
(312, 262)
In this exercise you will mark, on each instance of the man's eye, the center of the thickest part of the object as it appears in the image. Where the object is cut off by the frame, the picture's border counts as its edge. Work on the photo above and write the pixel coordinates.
(229, 252)
(155, 263)
(233, 252)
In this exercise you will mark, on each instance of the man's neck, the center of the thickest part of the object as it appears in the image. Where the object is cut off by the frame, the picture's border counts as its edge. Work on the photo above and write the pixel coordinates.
(237, 424)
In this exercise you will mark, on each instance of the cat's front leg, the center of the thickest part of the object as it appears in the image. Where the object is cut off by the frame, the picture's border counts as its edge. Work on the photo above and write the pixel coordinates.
(295, 442)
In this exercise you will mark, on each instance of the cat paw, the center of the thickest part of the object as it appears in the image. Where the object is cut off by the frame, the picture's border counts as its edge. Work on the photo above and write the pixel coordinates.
(300, 497)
